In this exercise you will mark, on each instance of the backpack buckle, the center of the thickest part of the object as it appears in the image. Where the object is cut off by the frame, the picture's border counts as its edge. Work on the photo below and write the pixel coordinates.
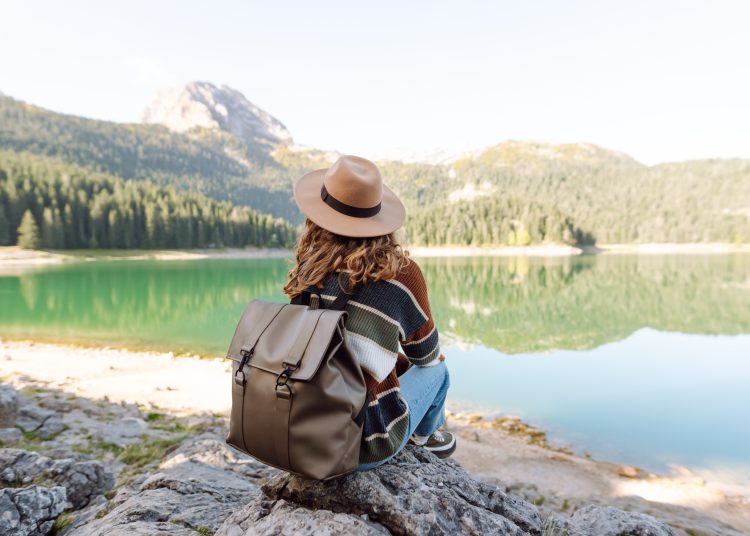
(283, 376)
(283, 389)
(246, 355)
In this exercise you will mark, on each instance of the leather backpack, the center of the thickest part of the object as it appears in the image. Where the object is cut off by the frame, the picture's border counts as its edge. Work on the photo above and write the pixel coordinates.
(298, 393)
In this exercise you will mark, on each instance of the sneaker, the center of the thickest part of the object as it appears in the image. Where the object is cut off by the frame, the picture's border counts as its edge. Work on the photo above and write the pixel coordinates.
(441, 444)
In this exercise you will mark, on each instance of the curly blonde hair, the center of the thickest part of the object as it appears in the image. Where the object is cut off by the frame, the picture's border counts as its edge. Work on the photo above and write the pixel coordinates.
(320, 252)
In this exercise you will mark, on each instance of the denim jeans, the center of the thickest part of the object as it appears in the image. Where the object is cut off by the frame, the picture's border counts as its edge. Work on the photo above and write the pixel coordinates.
(424, 389)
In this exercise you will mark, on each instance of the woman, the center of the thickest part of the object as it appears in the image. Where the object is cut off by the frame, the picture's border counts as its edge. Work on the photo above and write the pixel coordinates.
(349, 240)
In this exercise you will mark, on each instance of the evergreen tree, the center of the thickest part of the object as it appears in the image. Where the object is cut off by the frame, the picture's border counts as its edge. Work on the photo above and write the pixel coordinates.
(28, 232)
(4, 227)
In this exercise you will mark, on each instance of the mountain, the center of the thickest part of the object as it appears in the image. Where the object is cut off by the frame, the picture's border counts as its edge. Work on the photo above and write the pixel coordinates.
(203, 105)
(208, 139)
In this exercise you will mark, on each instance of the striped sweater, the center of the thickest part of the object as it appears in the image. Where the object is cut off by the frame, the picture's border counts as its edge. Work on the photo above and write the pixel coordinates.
(383, 316)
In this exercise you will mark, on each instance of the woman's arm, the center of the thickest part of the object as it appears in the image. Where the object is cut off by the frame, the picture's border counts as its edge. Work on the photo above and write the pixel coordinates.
(421, 345)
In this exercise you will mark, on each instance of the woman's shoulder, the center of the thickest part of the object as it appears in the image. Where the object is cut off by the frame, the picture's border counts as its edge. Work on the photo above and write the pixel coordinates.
(410, 274)
(411, 279)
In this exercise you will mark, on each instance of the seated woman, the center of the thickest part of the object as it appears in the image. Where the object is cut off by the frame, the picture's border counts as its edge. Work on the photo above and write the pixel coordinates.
(349, 239)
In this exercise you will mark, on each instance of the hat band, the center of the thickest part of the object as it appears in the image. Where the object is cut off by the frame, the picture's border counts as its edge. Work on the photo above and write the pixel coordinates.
(343, 208)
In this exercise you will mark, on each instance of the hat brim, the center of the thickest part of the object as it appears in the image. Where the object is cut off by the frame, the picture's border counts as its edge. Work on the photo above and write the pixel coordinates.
(307, 196)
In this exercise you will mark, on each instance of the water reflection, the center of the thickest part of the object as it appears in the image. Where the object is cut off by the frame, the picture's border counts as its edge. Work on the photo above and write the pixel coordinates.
(521, 305)
(513, 305)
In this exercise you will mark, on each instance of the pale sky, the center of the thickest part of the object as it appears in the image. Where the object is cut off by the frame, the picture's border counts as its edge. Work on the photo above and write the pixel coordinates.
(659, 80)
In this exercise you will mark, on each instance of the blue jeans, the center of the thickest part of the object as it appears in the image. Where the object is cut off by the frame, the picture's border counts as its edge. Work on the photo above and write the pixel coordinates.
(424, 389)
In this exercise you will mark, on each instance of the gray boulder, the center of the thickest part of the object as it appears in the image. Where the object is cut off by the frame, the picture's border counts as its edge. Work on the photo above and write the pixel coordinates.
(8, 406)
(265, 517)
(81, 480)
(594, 520)
(9, 436)
(122, 432)
(42, 422)
(30, 511)
(197, 487)
(416, 493)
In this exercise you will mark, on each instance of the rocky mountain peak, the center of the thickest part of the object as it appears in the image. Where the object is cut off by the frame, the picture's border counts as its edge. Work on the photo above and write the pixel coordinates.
(204, 105)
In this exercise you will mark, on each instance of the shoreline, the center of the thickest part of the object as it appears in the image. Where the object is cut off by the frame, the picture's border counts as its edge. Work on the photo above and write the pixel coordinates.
(502, 449)
(13, 256)
(562, 250)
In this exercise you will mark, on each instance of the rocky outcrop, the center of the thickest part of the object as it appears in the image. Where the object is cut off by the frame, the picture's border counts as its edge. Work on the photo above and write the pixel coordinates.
(8, 406)
(122, 432)
(43, 422)
(414, 494)
(174, 479)
(9, 436)
(605, 521)
(194, 489)
(30, 511)
(204, 105)
(82, 480)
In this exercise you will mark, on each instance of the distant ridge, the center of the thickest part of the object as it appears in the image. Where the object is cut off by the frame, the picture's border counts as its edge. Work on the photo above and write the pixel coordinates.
(211, 139)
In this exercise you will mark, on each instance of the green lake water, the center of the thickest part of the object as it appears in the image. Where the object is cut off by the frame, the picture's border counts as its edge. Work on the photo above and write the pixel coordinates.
(638, 359)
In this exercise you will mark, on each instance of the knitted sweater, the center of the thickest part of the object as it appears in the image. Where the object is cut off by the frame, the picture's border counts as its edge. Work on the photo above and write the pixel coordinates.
(384, 315)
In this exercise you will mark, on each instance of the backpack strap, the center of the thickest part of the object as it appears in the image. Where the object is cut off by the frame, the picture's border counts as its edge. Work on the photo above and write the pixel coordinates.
(339, 304)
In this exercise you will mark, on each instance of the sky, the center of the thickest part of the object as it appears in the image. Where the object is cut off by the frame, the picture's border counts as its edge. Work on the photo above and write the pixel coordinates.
(659, 80)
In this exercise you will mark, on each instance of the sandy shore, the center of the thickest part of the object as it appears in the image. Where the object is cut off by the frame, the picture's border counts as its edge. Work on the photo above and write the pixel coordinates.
(670, 248)
(15, 256)
(505, 451)
(545, 250)
(561, 250)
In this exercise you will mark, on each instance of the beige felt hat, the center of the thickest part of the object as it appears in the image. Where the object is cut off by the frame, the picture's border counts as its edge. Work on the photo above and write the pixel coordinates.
(350, 199)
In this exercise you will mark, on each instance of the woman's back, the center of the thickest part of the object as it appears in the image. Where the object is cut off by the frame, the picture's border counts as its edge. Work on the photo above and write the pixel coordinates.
(383, 318)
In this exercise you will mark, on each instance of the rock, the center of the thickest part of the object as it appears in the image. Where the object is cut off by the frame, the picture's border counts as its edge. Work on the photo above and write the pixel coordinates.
(594, 520)
(42, 422)
(82, 480)
(627, 471)
(30, 511)
(204, 105)
(261, 518)
(9, 436)
(198, 486)
(8, 406)
(122, 432)
(415, 493)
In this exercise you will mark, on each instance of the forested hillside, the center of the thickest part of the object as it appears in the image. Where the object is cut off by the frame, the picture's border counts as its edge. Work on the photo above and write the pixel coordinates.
(515, 193)
(606, 196)
(47, 203)
(208, 162)
(494, 220)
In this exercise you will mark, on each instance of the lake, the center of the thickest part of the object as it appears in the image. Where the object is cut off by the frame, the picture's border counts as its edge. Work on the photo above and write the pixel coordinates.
(637, 359)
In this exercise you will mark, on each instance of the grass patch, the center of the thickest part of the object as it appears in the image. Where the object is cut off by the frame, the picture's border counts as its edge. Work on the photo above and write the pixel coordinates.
(205, 531)
(144, 452)
(152, 416)
(177, 427)
(539, 501)
(103, 512)
(29, 441)
(62, 522)
(30, 391)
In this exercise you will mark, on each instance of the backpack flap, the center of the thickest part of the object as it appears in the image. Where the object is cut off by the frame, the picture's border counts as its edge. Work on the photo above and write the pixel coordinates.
(273, 336)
